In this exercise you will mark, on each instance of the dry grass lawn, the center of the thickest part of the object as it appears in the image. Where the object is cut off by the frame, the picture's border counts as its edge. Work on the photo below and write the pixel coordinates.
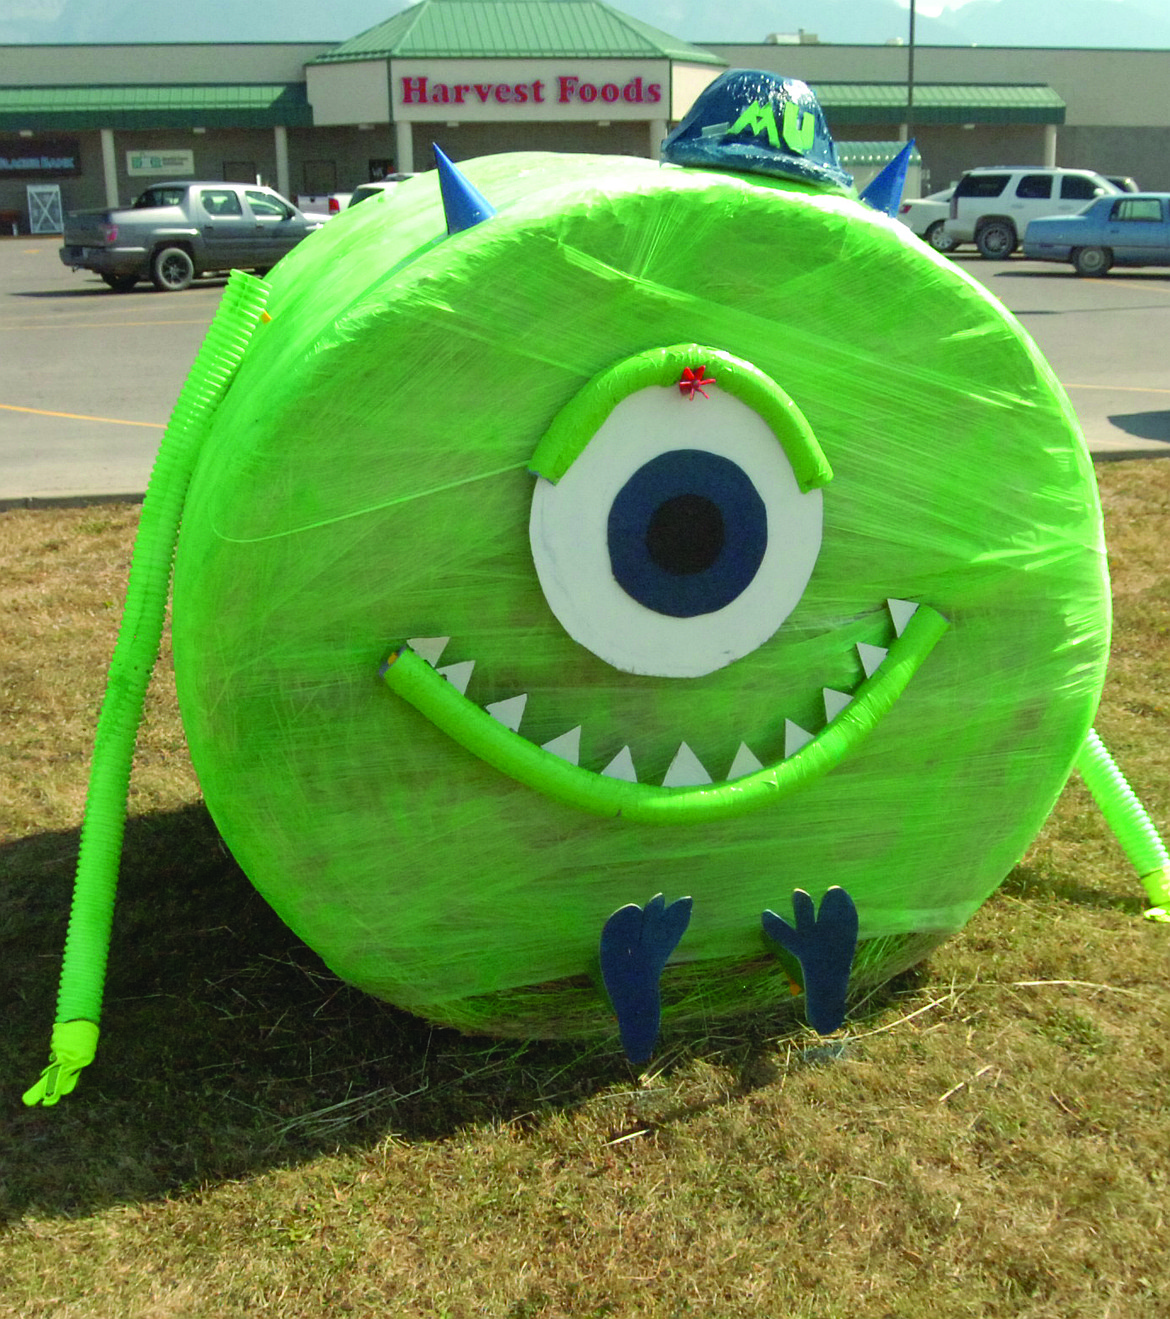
(990, 1135)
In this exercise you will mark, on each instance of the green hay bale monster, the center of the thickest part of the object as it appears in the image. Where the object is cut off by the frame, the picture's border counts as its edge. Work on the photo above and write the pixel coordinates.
(687, 530)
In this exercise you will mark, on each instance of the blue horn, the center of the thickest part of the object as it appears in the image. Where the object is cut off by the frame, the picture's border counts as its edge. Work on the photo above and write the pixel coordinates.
(464, 205)
(884, 191)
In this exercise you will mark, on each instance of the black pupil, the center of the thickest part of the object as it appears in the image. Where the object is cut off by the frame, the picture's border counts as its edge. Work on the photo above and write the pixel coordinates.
(685, 535)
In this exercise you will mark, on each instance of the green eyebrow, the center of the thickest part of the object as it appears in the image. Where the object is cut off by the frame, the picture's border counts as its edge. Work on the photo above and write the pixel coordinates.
(576, 423)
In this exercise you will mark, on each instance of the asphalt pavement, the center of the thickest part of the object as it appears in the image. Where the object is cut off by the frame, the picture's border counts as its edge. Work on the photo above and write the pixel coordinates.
(88, 377)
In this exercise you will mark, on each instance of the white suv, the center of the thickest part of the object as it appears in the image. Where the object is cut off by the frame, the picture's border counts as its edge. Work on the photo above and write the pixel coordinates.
(991, 206)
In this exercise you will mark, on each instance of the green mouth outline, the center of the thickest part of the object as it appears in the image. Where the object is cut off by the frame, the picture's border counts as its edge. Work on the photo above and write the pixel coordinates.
(411, 677)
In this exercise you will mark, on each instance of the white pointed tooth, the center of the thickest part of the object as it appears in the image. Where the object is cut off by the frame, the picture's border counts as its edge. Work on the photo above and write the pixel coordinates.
(835, 702)
(901, 611)
(686, 770)
(794, 737)
(567, 746)
(871, 657)
(458, 675)
(509, 712)
(745, 762)
(428, 648)
(622, 767)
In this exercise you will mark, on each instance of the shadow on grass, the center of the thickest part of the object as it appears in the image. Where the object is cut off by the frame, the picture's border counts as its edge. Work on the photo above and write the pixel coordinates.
(1039, 883)
(220, 1032)
(227, 1046)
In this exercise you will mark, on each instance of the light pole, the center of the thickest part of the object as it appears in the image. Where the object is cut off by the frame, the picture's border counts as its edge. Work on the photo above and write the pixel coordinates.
(910, 78)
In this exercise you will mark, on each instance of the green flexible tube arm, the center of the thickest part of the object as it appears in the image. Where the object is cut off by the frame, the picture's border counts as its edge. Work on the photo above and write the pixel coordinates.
(79, 1002)
(1128, 819)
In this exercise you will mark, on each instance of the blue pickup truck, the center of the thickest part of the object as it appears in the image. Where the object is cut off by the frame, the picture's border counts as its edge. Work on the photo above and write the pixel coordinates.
(175, 232)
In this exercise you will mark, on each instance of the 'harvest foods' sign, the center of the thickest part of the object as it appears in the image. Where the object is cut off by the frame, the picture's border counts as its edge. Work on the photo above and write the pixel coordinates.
(525, 91)
(564, 89)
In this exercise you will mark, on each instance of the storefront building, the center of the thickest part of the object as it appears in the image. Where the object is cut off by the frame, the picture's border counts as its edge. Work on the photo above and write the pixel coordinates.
(91, 126)
(467, 74)
(474, 78)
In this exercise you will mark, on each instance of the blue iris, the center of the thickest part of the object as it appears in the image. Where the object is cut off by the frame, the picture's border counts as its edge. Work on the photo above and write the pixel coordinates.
(687, 533)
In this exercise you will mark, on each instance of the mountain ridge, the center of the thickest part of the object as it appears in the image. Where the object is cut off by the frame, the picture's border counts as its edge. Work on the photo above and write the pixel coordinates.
(1098, 24)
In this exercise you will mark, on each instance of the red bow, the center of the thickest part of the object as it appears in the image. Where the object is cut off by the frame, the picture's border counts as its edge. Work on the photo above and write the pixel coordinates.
(693, 381)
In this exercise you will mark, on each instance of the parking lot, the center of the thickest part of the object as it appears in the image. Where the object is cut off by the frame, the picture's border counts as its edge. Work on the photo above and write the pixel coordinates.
(88, 377)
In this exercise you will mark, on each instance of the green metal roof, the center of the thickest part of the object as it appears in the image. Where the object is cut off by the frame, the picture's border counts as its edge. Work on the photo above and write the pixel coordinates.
(939, 103)
(855, 154)
(515, 29)
(186, 105)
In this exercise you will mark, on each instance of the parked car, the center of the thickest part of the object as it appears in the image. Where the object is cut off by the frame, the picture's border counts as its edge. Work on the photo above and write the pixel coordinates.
(927, 217)
(992, 207)
(323, 205)
(364, 191)
(1123, 183)
(1130, 230)
(176, 231)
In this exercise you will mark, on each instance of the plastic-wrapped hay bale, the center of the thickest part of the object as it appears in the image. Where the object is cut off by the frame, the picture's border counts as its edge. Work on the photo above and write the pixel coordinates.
(849, 419)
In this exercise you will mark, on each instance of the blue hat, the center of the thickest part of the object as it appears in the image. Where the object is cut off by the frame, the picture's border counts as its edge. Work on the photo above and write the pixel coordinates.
(758, 123)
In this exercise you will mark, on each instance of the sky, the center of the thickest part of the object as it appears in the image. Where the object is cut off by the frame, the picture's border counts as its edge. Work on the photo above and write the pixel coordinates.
(1119, 23)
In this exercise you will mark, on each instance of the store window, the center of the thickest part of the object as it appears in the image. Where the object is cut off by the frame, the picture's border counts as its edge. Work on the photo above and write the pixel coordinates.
(239, 171)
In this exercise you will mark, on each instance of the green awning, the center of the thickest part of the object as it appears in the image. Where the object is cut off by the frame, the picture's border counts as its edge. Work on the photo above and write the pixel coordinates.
(515, 29)
(181, 105)
(939, 103)
(855, 155)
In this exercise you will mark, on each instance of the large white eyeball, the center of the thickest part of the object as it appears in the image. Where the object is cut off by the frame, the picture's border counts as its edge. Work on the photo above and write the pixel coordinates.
(678, 539)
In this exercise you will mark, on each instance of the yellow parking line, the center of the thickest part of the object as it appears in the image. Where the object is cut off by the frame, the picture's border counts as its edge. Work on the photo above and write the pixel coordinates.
(80, 416)
(1121, 389)
(1139, 284)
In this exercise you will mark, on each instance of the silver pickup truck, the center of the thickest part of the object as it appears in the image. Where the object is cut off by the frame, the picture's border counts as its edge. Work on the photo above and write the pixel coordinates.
(176, 231)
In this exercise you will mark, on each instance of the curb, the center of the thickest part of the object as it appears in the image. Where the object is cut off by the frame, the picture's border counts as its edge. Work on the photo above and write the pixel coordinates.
(67, 501)
(1124, 455)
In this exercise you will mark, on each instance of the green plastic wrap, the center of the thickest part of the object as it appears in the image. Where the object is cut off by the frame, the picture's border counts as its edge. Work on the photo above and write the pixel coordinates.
(369, 481)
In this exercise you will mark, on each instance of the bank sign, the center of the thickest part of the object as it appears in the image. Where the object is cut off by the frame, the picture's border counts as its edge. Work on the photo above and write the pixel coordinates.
(529, 89)
(40, 158)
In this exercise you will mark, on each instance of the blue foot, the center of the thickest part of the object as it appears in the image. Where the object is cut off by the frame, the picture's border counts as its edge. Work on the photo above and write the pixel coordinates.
(823, 943)
(635, 945)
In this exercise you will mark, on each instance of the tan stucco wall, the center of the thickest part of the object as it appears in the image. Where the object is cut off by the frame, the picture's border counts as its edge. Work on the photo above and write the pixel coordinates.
(471, 140)
(357, 93)
(687, 81)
